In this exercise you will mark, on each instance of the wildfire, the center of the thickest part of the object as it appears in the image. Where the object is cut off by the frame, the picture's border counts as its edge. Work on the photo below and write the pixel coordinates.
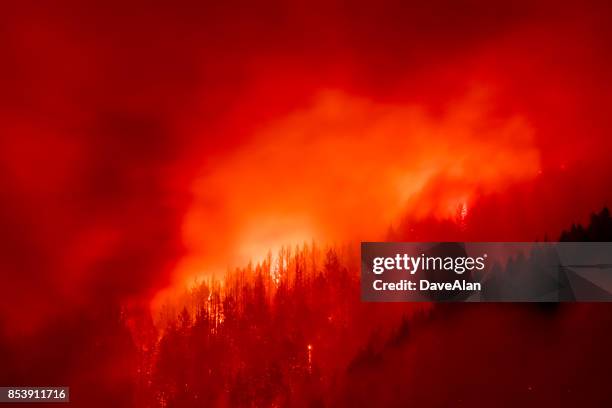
(314, 173)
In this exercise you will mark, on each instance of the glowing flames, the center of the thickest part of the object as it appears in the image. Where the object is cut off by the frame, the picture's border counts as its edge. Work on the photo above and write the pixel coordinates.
(348, 167)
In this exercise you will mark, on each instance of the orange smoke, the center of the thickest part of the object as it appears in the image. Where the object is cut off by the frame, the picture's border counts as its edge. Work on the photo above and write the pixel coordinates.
(347, 167)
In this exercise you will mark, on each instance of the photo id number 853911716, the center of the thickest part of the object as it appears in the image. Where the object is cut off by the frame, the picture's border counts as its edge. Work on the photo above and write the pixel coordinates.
(34, 394)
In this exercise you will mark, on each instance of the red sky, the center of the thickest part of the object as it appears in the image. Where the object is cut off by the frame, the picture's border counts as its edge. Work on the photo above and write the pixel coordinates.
(143, 144)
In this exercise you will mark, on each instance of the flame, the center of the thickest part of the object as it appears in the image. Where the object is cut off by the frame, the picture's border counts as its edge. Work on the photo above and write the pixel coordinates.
(347, 167)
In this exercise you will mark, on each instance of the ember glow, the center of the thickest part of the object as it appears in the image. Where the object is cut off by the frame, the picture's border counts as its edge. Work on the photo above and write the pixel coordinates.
(344, 168)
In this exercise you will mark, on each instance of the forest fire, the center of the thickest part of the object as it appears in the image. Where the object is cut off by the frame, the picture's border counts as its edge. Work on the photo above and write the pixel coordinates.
(184, 188)
(401, 161)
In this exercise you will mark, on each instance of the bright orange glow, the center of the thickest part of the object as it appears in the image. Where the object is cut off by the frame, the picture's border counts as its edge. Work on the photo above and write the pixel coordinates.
(346, 166)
